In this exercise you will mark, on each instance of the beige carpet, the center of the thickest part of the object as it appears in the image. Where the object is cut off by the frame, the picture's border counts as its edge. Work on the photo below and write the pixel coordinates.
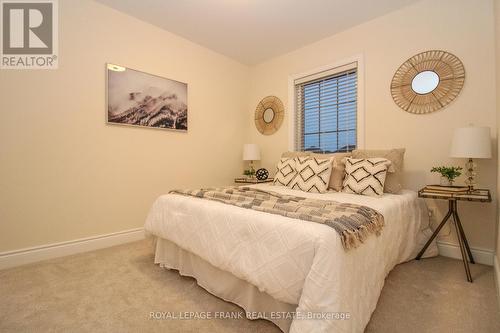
(115, 289)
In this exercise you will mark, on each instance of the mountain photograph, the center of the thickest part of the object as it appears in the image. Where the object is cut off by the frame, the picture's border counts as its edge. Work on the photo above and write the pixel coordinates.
(140, 99)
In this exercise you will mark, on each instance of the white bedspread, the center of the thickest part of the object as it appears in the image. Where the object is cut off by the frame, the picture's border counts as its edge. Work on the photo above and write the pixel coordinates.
(295, 261)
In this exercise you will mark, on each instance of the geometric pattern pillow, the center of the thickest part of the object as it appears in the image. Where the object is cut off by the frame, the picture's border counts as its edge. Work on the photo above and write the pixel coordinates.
(394, 179)
(285, 172)
(313, 174)
(365, 176)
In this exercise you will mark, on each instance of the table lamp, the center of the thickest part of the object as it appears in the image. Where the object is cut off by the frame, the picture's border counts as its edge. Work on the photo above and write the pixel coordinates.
(251, 152)
(471, 142)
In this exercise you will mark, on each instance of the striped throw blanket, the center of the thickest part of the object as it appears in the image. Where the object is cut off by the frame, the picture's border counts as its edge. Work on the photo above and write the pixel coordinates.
(354, 223)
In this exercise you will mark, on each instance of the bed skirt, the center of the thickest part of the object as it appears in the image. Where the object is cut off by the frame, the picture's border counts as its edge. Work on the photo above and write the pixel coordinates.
(223, 284)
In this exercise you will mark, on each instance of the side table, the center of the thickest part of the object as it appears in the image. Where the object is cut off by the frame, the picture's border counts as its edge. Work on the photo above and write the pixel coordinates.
(481, 195)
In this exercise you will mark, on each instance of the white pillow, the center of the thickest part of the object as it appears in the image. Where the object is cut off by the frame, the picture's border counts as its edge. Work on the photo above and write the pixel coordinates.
(285, 172)
(365, 176)
(313, 174)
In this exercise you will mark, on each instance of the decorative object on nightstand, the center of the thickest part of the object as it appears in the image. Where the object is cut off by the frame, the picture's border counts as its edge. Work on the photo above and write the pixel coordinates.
(251, 152)
(448, 174)
(454, 194)
(471, 142)
(262, 174)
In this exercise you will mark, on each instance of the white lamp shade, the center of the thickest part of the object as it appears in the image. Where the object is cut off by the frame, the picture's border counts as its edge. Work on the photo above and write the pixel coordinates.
(251, 152)
(471, 142)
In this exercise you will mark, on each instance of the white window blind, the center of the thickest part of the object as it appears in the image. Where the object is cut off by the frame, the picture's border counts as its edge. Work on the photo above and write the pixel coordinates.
(326, 111)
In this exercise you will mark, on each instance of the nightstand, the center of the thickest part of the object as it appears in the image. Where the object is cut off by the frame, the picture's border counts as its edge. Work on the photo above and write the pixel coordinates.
(480, 195)
(252, 180)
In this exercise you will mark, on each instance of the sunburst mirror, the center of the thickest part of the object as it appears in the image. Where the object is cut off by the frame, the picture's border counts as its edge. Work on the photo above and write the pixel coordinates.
(269, 115)
(428, 82)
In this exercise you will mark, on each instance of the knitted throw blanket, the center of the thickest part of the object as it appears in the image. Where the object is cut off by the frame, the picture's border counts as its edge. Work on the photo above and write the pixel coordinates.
(354, 223)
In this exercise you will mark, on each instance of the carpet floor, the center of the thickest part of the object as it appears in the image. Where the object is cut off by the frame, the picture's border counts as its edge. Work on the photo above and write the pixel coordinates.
(116, 289)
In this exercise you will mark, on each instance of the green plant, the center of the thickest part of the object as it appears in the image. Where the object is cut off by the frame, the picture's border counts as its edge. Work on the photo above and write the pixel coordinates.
(249, 172)
(448, 172)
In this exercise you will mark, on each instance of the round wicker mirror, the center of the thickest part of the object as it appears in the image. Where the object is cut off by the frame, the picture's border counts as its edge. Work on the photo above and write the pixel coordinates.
(428, 82)
(269, 115)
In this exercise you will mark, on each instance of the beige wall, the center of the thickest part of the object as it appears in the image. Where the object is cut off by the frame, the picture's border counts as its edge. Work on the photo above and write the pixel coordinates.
(463, 27)
(65, 174)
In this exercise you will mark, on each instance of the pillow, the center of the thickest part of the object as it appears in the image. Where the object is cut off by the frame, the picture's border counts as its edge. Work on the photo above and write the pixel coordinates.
(338, 171)
(365, 176)
(313, 174)
(394, 180)
(285, 172)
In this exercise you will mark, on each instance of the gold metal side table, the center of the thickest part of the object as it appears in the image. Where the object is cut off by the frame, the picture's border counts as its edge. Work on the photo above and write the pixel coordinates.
(481, 195)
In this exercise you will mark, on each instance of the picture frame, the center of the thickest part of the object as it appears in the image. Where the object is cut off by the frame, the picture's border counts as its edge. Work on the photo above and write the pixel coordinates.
(139, 99)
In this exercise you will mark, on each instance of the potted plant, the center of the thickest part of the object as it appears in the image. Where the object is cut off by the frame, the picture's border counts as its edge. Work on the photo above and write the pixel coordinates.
(250, 173)
(448, 174)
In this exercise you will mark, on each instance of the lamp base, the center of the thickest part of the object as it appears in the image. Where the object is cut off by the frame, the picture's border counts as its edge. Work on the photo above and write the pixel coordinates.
(251, 167)
(470, 174)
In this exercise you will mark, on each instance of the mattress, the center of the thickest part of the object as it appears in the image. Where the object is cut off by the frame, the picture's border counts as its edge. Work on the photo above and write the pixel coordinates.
(294, 261)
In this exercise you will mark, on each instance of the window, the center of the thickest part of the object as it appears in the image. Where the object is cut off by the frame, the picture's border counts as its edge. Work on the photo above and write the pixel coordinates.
(326, 111)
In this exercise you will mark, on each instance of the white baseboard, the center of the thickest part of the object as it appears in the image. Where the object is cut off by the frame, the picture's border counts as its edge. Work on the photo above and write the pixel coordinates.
(496, 268)
(49, 251)
(481, 256)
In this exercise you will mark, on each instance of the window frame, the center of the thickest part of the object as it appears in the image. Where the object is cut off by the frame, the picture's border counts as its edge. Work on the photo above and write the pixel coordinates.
(360, 107)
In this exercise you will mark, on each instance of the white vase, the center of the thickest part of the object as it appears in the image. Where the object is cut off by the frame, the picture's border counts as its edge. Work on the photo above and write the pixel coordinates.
(445, 181)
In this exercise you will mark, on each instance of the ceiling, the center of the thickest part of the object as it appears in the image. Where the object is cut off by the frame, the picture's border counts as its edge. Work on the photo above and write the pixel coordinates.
(251, 31)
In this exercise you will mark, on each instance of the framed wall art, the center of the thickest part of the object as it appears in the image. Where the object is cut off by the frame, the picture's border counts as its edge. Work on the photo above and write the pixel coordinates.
(135, 98)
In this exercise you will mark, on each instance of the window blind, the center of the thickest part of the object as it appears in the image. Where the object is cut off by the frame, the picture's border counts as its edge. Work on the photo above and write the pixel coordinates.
(326, 111)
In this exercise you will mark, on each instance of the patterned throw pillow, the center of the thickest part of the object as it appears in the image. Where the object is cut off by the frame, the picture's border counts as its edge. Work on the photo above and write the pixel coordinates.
(365, 175)
(394, 179)
(313, 174)
(285, 172)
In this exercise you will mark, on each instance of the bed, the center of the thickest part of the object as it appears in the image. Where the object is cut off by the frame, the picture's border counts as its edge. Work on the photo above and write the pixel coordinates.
(294, 273)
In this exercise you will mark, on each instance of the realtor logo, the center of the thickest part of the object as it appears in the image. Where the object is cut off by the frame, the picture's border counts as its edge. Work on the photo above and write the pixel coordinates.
(29, 34)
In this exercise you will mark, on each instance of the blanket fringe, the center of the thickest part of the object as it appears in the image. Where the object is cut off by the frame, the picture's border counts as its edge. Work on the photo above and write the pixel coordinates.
(351, 239)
